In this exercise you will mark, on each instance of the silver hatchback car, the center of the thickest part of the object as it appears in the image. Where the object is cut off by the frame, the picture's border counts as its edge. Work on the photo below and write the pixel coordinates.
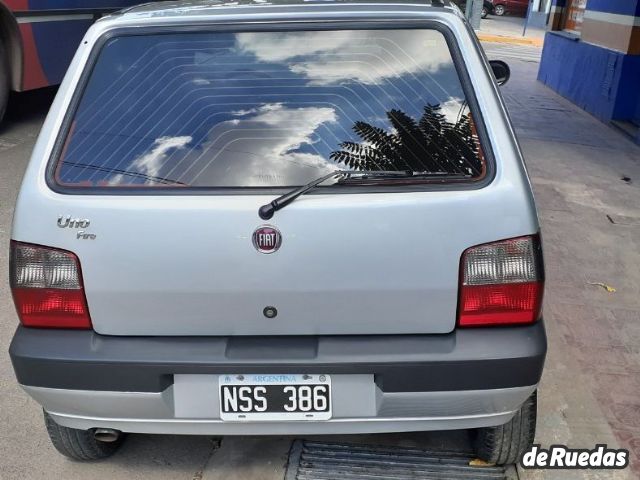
(279, 218)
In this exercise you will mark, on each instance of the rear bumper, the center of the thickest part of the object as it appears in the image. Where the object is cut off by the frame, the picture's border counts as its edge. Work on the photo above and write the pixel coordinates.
(466, 379)
(190, 407)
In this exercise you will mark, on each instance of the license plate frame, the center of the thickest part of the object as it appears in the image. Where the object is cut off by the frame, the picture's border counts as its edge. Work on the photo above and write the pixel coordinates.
(273, 395)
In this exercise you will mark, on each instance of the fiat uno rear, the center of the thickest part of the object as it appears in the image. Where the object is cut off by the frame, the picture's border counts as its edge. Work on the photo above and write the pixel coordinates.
(279, 219)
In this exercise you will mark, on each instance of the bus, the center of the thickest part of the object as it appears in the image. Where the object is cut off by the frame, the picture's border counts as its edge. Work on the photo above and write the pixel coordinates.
(39, 37)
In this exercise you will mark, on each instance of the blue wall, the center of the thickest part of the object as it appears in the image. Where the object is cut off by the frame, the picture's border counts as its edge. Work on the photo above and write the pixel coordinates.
(602, 81)
(622, 7)
(628, 105)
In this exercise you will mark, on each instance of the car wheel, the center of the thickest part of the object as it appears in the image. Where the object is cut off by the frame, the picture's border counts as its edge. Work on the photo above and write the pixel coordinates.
(499, 10)
(505, 444)
(485, 12)
(79, 444)
(4, 80)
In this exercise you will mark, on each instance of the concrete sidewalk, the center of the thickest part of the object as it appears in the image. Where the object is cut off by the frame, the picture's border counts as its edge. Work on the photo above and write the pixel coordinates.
(586, 178)
(509, 30)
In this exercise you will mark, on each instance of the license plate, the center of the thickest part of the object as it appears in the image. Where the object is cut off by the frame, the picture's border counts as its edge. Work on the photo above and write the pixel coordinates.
(275, 397)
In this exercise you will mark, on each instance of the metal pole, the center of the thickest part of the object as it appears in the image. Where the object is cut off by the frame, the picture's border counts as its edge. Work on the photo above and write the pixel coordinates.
(526, 21)
(474, 12)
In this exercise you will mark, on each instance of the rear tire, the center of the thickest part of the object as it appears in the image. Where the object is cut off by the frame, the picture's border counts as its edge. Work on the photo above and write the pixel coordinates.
(505, 444)
(499, 10)
(5, 81)
(485, 12)
(79, 444)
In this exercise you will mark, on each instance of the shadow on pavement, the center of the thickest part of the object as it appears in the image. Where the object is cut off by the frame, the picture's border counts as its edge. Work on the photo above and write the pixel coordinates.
(28, 106)
(248, 458)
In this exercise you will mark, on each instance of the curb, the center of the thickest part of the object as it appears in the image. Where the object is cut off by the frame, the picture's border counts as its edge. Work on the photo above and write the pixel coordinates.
(487, 37)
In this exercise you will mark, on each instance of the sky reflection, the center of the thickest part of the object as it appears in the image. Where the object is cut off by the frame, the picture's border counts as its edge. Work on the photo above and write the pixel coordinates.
(248, 109)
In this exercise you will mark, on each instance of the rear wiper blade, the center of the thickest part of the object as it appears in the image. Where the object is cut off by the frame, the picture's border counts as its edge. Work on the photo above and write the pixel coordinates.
(442, 176)
(266, 211)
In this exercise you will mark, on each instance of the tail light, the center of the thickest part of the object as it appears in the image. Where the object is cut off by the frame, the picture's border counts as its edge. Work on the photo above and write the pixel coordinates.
(47, 287)
(501, 283)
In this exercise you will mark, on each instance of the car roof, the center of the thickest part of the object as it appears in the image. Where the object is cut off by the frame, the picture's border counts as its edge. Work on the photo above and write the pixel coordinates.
(188, 8)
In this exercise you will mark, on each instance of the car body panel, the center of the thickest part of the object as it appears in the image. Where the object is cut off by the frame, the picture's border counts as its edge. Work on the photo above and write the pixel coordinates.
(379, 383)
(371, 263)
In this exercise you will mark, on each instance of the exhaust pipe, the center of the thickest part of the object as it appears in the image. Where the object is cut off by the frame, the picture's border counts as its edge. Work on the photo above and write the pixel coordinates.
(107, 435)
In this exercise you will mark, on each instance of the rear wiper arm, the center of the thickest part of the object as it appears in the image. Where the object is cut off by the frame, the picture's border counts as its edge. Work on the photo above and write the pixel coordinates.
(437, 176)
(266, 211)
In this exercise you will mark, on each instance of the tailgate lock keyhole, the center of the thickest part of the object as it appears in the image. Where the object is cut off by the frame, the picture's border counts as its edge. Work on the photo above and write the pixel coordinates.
(270, 312)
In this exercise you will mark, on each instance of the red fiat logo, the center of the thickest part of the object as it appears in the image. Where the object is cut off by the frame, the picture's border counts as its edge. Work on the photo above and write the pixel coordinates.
(267, 239)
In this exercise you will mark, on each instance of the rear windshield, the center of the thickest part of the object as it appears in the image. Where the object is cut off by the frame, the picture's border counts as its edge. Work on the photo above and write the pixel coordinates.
(269, 109)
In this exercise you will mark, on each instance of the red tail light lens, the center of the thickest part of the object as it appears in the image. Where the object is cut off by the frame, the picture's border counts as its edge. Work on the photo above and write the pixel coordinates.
(47, 287)
(502, 283)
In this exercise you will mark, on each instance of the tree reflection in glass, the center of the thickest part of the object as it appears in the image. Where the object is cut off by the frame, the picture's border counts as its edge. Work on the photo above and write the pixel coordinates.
(431, 144)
